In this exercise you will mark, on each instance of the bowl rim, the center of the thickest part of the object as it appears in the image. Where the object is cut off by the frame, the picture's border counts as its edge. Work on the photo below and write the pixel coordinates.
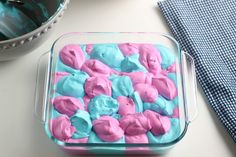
(6, 44)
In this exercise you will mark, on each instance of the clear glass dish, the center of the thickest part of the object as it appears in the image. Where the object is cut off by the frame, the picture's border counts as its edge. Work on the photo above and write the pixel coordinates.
(185, 82)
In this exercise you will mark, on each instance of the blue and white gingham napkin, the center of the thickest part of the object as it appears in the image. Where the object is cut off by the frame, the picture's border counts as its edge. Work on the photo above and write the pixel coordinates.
(207, 30)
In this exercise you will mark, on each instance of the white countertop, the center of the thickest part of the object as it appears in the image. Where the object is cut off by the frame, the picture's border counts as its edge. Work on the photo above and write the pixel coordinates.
(21, 133)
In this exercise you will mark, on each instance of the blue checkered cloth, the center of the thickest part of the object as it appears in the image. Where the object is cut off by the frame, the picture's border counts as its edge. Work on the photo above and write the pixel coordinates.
(207, 30)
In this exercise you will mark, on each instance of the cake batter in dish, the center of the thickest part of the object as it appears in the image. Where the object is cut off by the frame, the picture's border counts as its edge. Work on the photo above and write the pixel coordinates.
(115, 93)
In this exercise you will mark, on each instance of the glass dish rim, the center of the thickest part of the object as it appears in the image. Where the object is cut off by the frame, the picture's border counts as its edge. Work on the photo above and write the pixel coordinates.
(66, 144)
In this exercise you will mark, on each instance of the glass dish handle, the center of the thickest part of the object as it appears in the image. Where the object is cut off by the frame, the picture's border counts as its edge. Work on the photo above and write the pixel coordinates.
(190, 87)
(41, 83)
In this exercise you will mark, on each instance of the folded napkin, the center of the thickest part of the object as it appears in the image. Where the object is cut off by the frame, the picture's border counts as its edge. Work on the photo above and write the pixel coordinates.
(207, 30)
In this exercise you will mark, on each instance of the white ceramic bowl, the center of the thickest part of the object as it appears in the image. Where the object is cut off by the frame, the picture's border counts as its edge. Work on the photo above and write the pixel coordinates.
(19, 46)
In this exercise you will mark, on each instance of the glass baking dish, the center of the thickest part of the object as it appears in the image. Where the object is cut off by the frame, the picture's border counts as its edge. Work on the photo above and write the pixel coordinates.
(185, 84)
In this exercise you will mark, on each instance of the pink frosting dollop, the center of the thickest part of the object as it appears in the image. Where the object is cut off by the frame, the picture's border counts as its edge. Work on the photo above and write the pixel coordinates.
(160, 124)
(96, 68)
(139, 77)
(135, 124)
(172, 68)
(97, 85)
(128, 48)
(147, 92)
(67, 105)
(165, 86)
(126, 105)
(89, 48)
(164, 72)
(59, 75)
(150, 58)
(72, 55)
(175, 112)
(61, 128)
(81, 140)
(108, 129)
(142, 138)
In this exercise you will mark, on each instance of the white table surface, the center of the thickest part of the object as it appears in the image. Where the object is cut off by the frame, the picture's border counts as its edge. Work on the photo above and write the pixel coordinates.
(22, 135)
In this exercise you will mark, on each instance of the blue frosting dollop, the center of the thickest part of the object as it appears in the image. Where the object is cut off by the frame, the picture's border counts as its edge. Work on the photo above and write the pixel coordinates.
(138, 102)
(103, 105)
(83, 47)
(168, 58)
(81, 121)
(131, 64)
(173, 77)
(109, 54)
(116, 116)
(60, 66)
(72, 85)
(55, 113)
(121, 86)
(161, 105)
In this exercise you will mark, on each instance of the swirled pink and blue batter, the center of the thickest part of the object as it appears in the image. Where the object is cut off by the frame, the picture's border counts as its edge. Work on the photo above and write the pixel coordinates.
(115, 93)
